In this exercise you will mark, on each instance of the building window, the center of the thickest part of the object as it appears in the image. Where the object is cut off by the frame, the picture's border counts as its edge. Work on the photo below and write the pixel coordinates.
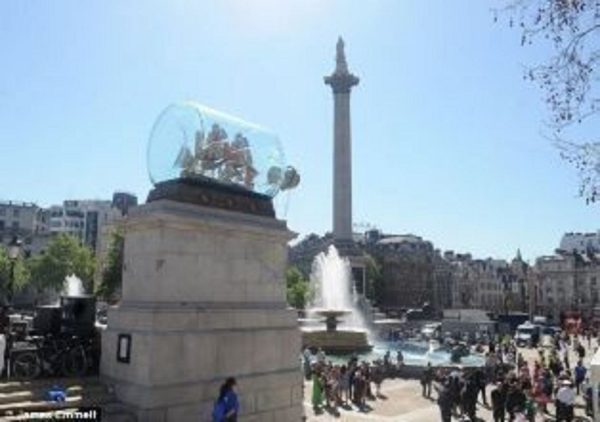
(1, 225)
(593, 281)
(2, 211)
(16, 213)
(15, 225)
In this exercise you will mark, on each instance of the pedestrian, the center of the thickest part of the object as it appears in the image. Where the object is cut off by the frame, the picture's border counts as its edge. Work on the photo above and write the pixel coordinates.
(377, 375)
(444, 401)
(481, 380)
(426, 380)
(470, 393)
(321, 357)
(344, 384)
(580, 351)
(498, 397)
(306, 362)
(317, 391)
(227, 406)
(5, 340)
(580, 373)
(565, 400)
(360, 390)
(515, 400)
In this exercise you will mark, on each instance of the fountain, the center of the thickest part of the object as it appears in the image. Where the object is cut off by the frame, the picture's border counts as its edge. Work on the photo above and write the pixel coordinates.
(73, 286)
(345, 330)
(336, 325)
(78, 308)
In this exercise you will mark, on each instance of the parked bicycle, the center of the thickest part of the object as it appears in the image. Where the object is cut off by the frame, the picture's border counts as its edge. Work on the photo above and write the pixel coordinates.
(52, 356)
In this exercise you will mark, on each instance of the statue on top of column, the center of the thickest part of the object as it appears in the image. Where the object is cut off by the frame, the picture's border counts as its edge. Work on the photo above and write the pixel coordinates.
(340, 57)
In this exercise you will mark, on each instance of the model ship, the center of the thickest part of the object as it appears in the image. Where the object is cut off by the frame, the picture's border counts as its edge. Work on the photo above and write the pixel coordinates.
(230, 161)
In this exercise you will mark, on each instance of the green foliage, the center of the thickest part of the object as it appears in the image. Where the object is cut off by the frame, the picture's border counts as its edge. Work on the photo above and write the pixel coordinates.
(112, 271)
(374, 279)
(298, 288)
(21, 272)
(64, 256)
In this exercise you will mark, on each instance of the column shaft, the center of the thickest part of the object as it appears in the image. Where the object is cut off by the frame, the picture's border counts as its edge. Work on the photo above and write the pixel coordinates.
(342, 168)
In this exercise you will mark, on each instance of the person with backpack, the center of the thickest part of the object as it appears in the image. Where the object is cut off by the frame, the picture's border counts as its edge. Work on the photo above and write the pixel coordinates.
(580, 372)
(227, 407)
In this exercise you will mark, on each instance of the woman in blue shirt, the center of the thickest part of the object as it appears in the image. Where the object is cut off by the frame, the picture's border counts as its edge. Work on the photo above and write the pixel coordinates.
(227, 406)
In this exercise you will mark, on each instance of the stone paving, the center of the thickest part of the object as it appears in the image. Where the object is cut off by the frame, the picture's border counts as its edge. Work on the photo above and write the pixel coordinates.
(403, 402)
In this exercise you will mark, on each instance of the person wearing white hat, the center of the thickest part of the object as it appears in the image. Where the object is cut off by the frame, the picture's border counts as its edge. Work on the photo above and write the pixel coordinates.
(565, 399)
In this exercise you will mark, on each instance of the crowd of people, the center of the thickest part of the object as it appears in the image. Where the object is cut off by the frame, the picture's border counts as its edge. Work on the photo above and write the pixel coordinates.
(520, 389)
(513, 388)
(355, 382)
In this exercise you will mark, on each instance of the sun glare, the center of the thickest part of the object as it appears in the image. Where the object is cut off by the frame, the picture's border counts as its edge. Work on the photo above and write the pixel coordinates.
(273, 16)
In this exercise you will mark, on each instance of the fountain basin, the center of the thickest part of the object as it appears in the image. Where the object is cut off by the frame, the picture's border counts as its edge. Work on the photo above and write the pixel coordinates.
(336, 342)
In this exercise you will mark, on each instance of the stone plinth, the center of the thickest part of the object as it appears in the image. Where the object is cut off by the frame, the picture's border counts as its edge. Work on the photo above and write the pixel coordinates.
(204, 299)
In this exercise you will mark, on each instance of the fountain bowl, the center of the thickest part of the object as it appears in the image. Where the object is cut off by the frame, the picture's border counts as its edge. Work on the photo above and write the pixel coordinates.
(335, 313)
(337, 342)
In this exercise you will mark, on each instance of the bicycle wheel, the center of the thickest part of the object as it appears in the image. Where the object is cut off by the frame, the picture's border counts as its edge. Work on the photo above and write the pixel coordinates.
(26, 366)
(75, 362)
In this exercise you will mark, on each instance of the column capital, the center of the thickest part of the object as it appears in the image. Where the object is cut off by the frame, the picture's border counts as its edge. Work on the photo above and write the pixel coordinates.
(341, 82)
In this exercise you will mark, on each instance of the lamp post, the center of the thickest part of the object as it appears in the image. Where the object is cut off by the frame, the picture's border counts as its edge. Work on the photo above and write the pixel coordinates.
(14, 250)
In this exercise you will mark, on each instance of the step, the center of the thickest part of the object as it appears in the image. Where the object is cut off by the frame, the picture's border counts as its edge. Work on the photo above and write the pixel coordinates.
(14, 385)
(43, 406)
(38, 393)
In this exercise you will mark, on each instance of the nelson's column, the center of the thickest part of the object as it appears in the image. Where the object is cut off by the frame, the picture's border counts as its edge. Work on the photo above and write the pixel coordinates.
(341, 82)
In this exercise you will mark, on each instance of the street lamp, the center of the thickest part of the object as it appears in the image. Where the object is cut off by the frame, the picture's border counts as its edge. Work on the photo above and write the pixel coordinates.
(14, 250)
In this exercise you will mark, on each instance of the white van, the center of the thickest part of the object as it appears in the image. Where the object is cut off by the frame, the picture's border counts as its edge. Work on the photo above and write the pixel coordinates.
(525, 333)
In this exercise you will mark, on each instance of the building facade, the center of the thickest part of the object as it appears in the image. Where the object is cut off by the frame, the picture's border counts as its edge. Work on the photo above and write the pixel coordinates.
(26, 221)
(83, 219)
(580, 242)
(491, 284)
(407, 263)
(567, 281)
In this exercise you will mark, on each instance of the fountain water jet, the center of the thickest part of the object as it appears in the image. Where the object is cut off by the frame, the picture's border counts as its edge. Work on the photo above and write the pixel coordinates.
(331, 281)
(73, 286)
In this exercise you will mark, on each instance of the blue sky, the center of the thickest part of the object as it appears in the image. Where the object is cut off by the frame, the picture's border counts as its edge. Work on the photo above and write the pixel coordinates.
(447, 136)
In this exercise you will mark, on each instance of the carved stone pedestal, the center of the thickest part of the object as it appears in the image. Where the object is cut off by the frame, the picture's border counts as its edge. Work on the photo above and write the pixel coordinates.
(203, 299)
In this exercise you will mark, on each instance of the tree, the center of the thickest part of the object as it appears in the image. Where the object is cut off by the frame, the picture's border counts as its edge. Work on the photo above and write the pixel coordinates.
(21, 272)
(567, 78)
(64, 256)
(298, 288)
(112, 272)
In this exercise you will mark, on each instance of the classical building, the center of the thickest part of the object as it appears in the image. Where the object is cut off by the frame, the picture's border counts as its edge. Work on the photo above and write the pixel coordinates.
(567, 281)
(408, 271)
(580, 242)
(25, 220)
(491, 284)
